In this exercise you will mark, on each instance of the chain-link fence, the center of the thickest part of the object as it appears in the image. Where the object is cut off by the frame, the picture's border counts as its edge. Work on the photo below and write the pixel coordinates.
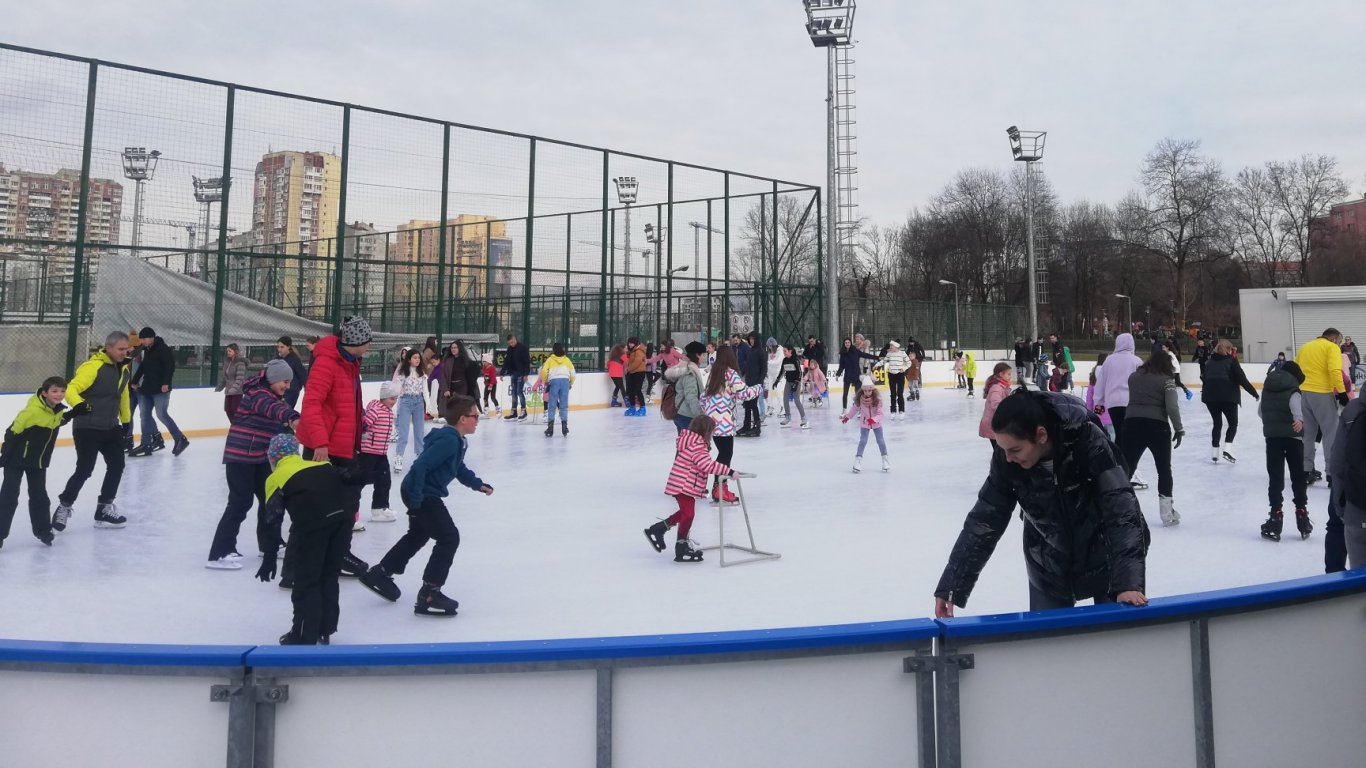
(936, 325)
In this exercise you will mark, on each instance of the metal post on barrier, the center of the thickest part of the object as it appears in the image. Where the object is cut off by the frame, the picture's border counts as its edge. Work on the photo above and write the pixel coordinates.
(251, 719)
(923, 665)
(1202, 687)
(604, 718)
(948, 738)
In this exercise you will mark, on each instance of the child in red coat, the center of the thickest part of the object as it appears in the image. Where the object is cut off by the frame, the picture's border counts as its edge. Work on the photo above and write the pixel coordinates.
(491, 387)
(688, 483)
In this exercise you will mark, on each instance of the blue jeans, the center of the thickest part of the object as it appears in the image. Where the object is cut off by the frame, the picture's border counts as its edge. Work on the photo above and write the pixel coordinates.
(515, 389)
(158, 402)
(557, 395)
(411, 410)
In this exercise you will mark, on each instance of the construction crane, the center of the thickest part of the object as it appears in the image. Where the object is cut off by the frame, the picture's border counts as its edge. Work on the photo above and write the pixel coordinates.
(189, 226)
(697, 229)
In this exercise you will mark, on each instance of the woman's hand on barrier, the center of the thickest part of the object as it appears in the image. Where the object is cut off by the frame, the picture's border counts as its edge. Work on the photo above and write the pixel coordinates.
(943, 609)
(1132, 597)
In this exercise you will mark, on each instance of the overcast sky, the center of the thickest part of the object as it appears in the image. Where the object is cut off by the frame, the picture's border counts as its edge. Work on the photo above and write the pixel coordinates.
(738, 85)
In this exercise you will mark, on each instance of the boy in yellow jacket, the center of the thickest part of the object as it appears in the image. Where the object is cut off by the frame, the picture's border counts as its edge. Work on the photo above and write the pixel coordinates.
(557, 373)
(27, 451)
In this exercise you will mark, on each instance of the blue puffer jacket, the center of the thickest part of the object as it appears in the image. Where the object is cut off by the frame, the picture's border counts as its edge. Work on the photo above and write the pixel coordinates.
(442, 460)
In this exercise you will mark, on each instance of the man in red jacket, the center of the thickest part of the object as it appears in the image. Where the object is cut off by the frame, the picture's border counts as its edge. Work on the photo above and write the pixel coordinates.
(329, 428)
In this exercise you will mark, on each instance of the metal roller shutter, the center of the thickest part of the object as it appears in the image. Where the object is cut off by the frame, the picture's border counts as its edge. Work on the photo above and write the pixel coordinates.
(1310, 318)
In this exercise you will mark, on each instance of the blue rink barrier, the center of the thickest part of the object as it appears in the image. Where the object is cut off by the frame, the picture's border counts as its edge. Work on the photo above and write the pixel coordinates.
(1262, 675)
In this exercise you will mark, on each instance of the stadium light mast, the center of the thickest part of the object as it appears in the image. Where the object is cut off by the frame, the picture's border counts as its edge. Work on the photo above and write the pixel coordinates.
(830, 25)
(206, 193)
(626, 195)
(139, 165)
(1027, 147)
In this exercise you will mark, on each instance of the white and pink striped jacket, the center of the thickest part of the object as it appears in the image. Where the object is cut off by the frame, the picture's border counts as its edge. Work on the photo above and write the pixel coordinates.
(721, 406)
(379, 422)
(692, 465)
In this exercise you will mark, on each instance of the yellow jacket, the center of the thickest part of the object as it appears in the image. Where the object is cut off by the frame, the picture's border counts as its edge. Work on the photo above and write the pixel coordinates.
(557, 367)
(1321, 362)
(970, 367)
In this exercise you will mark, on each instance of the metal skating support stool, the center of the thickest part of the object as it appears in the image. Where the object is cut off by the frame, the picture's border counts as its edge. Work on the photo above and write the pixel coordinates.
(723, 545)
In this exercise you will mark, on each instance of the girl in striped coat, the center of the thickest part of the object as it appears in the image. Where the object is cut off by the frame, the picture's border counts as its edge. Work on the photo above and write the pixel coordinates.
(372, 463)
(688, 483)
(725, 391)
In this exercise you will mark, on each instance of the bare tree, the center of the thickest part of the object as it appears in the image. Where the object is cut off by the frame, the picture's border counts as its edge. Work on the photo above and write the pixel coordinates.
(1304, 189)
(793, 257)
(1256, 229)
(874, 262)
(1181, 217)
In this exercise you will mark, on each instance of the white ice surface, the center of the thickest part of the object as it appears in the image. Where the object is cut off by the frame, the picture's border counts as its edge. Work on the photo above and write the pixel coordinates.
(558, 550)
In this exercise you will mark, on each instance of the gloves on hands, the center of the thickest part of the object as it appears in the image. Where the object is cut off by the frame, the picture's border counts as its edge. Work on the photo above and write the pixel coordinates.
(267, 570)
(1176, 438)
(1342, 399)
(80, 409)
(1189, 394)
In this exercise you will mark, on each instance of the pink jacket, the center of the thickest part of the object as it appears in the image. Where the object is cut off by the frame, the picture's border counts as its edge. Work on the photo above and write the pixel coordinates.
(379, 422)
(958, 365)
(1091, 405)
(867, 416)
(692, 465)
(993, 393)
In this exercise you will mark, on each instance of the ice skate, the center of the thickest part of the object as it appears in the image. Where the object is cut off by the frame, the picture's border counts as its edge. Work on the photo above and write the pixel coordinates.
(785, 423)
(289, 638)
(158, 442)
(46, 538)
(684, 552)
(379, 582)
(1138, 483)
(564, 429)
(1228, 454)
(1312, 476)
(858, 464)
(181, 444)
(398, 464)
(615, 403)
(1271, 529)
(512, 415)
(358, 526)
(1302, 522)
(1168, 512)
(655, 534)
(430, 602)
(143, 449)
(60, 516)
(382, 516)
(550, 429)
(728, 497)
(1214, 454)
(224, 564)
(107, 516)
(886, 464)
(806, 425)
(352, 566)
(524, 416)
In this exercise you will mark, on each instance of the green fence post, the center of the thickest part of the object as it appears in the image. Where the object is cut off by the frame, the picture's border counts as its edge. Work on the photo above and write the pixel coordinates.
(488, 273)
(659, 278)
(706, 335)
(602, 272)
(384, 304)
(725, 246)
(221, 282)
(820, 284)
(568, 246)
(79, 259)
(441, 238)
(669, 264)
(777, 296)
(530, 233)
(338, 256)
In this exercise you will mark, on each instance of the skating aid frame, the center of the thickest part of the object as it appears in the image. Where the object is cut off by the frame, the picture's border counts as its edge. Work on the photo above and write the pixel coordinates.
(723, 545)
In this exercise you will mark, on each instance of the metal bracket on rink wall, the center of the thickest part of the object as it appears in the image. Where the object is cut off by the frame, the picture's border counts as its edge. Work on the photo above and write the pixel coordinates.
(936, 691)
(723, 545)
(251, 719)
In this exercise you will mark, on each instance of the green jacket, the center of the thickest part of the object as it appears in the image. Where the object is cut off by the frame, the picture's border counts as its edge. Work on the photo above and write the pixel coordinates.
(29, 440)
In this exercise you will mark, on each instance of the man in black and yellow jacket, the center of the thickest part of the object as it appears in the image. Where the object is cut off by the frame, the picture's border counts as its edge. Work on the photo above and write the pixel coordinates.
(27, 451)
(319, 537)
(102, 382)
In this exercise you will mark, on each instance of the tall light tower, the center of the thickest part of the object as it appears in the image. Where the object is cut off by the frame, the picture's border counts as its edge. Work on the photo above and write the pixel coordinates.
(626, 195)
(830, 24)
(206, 193)
(139, 165)
(1027, 147)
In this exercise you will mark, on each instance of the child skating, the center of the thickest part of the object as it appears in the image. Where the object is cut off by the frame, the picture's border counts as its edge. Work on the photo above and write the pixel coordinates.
(26, 453)
(790, 376)
(687, 483)
(1283, 426)
(373, 459)
(867, 409)
(969, 371)
(491, 388)
(423, 491)
(958, 366)
(816, 383)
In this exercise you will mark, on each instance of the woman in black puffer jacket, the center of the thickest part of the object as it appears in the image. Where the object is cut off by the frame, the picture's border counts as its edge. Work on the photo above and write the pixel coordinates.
(1084, 535)
(1223, 377)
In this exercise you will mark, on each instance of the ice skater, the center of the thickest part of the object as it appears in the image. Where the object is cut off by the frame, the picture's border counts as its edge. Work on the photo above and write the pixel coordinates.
(557, 374)
(816, 383)
(1282, 415)
(1152, 405)
(101, 381)
(491, 387)
(616, 371)
(789, 374)
(993, 392)
(26, 453)
(959, 366)
(372, 463)
(319, 535)
(263, 413)
(725, 389)
(867, 408)
(1223, 378)
(1091, 396)
(153, 385)
(687, 483)
(411, 412)
(422, 491)
(969, 371)
(897, 364)
(231, 379)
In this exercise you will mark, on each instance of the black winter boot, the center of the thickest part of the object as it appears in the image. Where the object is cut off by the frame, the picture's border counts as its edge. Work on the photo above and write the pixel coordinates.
(1271, 529)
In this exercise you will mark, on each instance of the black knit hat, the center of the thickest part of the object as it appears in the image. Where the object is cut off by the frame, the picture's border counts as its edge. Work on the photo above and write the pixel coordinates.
(1293, 368)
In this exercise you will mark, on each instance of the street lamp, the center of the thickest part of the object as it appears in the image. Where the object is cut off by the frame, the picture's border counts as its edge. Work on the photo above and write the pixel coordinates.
(956, 332)
(1027, 147)
(139, 165)
(1128, 300)
(830, 25)
(626, 195)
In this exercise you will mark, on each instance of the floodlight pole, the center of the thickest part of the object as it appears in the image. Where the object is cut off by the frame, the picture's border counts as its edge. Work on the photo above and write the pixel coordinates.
(1027, 147)
(832, 255)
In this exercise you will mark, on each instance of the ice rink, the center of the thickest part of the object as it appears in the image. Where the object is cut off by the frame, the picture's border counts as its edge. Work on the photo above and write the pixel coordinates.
(558, 551)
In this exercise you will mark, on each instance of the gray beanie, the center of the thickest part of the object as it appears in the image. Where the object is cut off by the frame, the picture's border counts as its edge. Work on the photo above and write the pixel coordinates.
(389, 389)
(278, 370)
(354, 332)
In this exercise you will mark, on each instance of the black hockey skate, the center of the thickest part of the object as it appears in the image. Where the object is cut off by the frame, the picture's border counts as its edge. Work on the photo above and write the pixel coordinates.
(564, 428)
(107, 516)
(685, 553)
(550, 429)
(377, 581)
(143, 449)
(353, 567)
(1302, 522)
(655, 534)
(158, 442)
(1271, 529)
(430, 602)
(289, 638)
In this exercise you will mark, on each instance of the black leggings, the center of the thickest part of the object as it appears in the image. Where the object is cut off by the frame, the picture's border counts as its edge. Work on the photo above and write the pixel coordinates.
(1218, 412)
(848, 385)
(897, 383)
(1282, 451)
(1117, 421)
(634, 381)
(617, 387)
(1156, 437)
(491, 393)
(725, 449)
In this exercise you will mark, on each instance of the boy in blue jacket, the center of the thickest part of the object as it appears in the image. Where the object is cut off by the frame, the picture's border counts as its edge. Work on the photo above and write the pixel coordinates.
(441, 461)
